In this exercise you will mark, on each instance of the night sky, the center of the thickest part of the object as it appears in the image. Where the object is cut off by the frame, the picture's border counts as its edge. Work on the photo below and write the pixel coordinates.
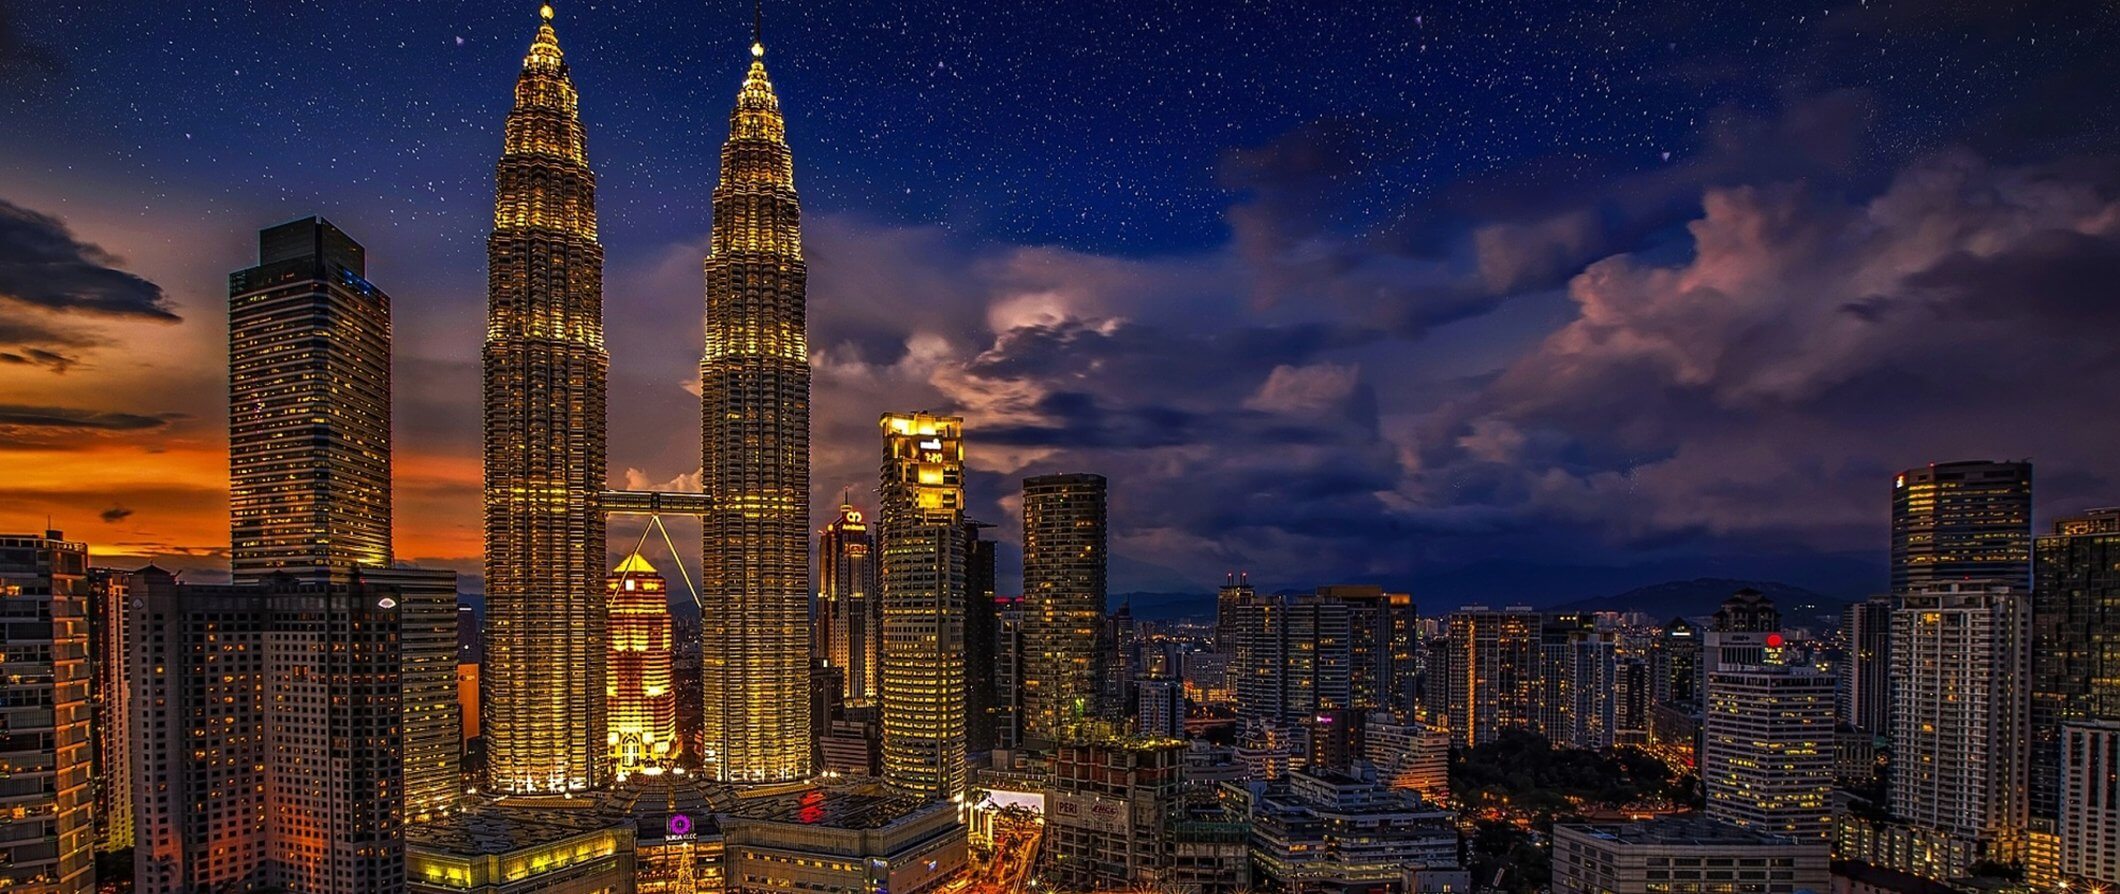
(1502, 302)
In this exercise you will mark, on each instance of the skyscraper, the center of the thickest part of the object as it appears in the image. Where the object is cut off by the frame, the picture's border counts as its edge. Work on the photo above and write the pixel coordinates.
(923, 545)
(849, 606)
(1767, 751)
(1960, 711)
(111, 701)
(1382, 647)
(1493, 670)
(1235, 591)
(1962, 521)
(1293, 659)
(754, 380)
(1866, 688)
(266, 735)
(308, 406)
(642, 703)
(1064, 542)
(982, 623)
(2076, 638)
(545, 371)
(47, 836)
(2089, 798)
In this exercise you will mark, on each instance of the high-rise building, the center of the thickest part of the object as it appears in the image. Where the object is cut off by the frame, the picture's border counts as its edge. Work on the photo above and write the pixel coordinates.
(1590, 690)
(1745, 632)
(1962, 521)
(545, 391)
(1160, 713)
(1293, 659)
(1865, 674)
(1674, 662)
(982, 623)
(47, 833)
(1381, 627)
(643, 700)
(754, 382)
(2076, 641)
(1494, 673)
(1008, 673)
(111, 702)
(1235, 591)
(1118, 663)
(266, 735)
(308, 405)
(1064, 542)
(923, 545)
(1409, 754)
(1767, 751)
(2089, 799)
(849, 605)
(1960, 713)
(433, 750)
(1108, 812)
(1317, 831)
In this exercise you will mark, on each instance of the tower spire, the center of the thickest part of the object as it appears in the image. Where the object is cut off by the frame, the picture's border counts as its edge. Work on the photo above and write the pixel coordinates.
(758, 28)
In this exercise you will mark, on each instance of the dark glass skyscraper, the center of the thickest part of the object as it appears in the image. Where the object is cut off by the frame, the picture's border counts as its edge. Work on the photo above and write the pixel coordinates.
(308, 406)
(754, 384)
(2076, 641)
(1064, 540)
(982, 620)
(1962, 521)
(545, 373)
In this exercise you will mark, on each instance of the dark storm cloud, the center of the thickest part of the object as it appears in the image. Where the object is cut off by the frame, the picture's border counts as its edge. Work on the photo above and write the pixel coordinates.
(43, 266)
(22, 416)
(115, 514)
(52, 360)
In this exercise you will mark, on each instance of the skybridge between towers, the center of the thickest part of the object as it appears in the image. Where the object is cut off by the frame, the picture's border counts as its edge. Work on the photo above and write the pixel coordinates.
(655, 504)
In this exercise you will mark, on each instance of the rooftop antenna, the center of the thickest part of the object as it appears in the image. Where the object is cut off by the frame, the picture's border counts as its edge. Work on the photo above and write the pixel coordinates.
(758, 28)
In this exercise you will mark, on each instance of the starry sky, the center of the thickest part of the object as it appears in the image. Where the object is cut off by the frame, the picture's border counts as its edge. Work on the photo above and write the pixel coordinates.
(1493, 301)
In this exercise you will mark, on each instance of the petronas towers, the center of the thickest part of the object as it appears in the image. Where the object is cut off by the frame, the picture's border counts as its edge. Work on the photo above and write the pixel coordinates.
(546, 371)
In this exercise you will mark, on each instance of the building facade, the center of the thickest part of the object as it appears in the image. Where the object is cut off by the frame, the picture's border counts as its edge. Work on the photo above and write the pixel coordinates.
(47, 828)
(2076, 642)
(111, 701)
(2089, 805)
(1064, 543)
(433, 716)
(643, 697)
(1866, 689)
(1318, 832)
(982, 630)
(308, 405)
(266, 729)
(1493, 673)
(1108, 811)
(1960, 713)
(1962, 521)
(1683, 854)
(1767, 760)
(545, 372)
(1293, 658)
(923, 547)
(849, 604)
(754, 381)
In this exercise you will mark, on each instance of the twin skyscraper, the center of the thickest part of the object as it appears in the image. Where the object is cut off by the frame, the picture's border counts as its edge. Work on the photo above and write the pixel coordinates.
(546, 375)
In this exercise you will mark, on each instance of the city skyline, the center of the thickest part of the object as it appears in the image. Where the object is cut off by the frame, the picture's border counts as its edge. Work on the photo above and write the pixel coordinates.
(1450, 451)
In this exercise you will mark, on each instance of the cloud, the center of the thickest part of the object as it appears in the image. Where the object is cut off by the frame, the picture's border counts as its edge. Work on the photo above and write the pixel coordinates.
(42, 265)
(25, 416)
(115, 514)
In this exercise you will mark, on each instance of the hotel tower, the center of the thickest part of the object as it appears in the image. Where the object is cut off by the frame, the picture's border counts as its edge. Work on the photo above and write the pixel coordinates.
(754, 383)
(545, 369)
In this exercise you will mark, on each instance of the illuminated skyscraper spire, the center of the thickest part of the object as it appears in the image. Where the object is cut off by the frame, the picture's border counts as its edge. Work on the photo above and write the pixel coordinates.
(755, 452)
(545, 371)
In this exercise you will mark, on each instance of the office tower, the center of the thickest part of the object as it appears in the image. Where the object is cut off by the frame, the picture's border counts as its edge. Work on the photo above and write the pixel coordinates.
(1382, 627)
(1009, 619)
(1745, 632)
(1683, 854)
(2076, 641)
(2089, 799)
(308, 405)
(1160, 713)
(1293, 659)
(1108, 812)
(849, 607)
(1674, 662)
(982, 623)
(642, 705)
(1494, 673)
(1767, 750)
(545, 372)
(433, 750)
(111, 703)
(1118, 663)
(1962, 521)
(1960, 712)
(754, 380)
(47, 832)
(923, 546)
(266, 742)
(1064, 541)
(1235, 591)
(1866, 688)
